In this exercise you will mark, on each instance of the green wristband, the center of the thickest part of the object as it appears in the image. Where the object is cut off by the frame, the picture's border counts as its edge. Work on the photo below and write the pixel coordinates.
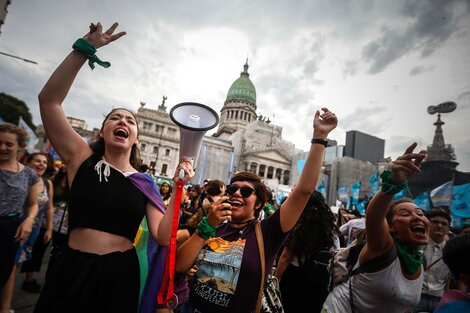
(88, 50)
(204, 229)
(389, 187)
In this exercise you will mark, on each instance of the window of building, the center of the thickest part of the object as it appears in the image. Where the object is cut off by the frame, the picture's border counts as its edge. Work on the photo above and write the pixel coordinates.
(167, 152)
(262, 170)
(278, 175)
(286, 178)
(142, 146)
(155, 149)
(164, 169)
(253, 167)
(171, 130)
(157, 128)
(270, 172)
(146, 126)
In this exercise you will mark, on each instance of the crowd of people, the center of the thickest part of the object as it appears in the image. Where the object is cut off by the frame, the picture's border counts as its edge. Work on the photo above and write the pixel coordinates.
(231, 237)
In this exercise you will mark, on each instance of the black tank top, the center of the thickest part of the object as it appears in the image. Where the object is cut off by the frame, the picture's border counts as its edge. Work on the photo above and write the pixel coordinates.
(114, 206)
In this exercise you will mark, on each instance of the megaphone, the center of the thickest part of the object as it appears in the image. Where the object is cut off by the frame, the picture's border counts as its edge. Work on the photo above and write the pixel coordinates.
(194, 120)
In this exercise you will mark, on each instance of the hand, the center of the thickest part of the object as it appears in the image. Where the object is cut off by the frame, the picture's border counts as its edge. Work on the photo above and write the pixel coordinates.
(97, 38)
(408, 164)
(324, 123)
(187, 166)
(219, 212)
(24, 230)
(48, 235)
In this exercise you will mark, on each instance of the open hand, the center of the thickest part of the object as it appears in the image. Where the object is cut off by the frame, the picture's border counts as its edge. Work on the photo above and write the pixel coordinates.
(97, 38)
(408, 164)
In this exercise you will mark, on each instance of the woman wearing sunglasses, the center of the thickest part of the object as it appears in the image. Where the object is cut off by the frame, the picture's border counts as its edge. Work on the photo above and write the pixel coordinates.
(225, 247)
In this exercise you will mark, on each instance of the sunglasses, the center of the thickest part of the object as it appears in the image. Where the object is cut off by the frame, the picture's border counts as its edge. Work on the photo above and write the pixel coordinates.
(244, 191)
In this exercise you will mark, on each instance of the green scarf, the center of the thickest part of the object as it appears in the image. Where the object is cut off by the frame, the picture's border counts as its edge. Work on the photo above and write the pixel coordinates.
(412, 257)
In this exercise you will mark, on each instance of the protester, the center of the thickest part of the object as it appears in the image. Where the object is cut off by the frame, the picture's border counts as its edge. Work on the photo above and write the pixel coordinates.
(19, 187)
(32, 251)
(214, 190)
(302, 266)
(457, 258)
(165, 192)
(350, 229)
(225, 246)
(398, 228)
(99, 269)
(436, 273)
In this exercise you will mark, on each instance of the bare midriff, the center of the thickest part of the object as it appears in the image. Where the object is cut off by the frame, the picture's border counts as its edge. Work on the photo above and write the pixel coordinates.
(96, 241)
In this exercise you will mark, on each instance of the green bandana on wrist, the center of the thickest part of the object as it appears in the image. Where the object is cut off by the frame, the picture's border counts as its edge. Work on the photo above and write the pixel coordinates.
(389, 187)
(412, 257)
(204, 229)
(87, 49)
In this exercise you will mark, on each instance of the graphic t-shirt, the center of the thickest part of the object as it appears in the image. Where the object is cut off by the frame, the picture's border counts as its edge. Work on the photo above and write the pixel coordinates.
(229, 270)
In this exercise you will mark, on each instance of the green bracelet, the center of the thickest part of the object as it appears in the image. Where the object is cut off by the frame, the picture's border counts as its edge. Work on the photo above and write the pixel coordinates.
(204, 229)
(389, 187)
(88, 50)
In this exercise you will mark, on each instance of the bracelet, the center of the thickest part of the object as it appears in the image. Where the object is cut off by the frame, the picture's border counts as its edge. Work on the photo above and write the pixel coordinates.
(389, 187)
(88, 50)
(204, 229)
(31, 217)
(320, 141)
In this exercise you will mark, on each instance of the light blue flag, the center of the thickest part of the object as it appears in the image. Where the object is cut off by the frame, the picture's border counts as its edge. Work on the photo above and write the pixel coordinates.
(355, 191)
(422, 201)
(343, 193)
(461, 201)
(401, 194)
(300, 165)
(361, 207)
(279, 197)
(321, 188)
(374, 183)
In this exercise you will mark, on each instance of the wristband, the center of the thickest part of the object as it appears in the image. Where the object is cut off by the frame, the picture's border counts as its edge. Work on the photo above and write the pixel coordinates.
(31, 217)
(204, 229)
(88, 50)
(320, 141)
(389, 187)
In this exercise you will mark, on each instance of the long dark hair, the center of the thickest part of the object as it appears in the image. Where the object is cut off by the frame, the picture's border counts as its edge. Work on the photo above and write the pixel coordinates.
(97, 142)
(315, 230)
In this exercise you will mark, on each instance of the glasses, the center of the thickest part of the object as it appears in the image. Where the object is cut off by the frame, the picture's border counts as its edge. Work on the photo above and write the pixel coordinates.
(443, 224)
(244, 191)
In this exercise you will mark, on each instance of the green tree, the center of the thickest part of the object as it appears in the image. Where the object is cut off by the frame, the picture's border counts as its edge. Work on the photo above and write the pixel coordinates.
(12, 108)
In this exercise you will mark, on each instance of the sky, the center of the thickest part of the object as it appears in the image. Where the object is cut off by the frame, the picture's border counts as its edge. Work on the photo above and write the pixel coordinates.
(377, 64)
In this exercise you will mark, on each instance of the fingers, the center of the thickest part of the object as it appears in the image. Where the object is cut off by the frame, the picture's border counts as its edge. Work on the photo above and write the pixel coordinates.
(111, 30)
(411, 148)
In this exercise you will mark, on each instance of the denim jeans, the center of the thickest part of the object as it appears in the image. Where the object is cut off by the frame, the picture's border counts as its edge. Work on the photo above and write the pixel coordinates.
(426, 304)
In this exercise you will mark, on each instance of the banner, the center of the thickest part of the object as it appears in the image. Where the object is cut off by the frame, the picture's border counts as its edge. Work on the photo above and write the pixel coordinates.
(461, 201)
(355, 191)
(31, 139)
(442, 195)
(361, 207)
(422, 201)
(321, 188)
(343, 194)
(374, 184)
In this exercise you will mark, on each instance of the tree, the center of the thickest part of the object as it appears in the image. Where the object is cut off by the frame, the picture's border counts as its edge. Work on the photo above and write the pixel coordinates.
(12, 108)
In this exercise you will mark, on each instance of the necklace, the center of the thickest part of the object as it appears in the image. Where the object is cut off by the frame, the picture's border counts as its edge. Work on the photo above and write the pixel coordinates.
(241, 223)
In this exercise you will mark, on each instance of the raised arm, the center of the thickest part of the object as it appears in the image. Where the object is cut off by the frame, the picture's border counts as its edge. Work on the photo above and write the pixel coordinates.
(292, 208)
(379, 240)
(72, 149)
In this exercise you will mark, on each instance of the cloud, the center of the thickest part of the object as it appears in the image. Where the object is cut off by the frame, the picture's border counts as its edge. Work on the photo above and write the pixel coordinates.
(366, 119)
(420, 70)
(424, 27)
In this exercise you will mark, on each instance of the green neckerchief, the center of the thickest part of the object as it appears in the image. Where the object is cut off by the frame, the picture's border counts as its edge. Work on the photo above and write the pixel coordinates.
(412, 257)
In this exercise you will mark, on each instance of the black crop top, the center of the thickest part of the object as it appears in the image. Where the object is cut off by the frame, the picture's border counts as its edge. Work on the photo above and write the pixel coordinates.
(114, 206)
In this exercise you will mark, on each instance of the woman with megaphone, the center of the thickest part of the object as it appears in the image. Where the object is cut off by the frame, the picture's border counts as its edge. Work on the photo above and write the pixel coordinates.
(99, 269)
(225, 247)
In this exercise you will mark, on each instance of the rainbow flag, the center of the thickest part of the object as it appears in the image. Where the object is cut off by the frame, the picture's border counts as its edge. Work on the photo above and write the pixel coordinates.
(442, 195)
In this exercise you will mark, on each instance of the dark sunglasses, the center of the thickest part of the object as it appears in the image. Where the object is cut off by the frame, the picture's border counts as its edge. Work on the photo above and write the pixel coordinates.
(244, 191)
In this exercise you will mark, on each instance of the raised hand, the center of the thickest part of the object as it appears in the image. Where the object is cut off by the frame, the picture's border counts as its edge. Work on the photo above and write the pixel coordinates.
(97, 38)
(324, 123)
(408, 164)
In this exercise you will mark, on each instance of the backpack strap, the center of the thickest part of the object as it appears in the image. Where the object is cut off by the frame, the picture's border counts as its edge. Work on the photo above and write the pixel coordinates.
(372, 266)
(46, 184)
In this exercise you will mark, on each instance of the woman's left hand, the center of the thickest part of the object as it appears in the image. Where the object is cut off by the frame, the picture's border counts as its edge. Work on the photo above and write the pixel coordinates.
(24, 230)
(324, 123)
(187, 166)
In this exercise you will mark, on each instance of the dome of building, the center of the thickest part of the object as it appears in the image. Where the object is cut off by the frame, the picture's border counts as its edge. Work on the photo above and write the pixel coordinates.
(243, 89)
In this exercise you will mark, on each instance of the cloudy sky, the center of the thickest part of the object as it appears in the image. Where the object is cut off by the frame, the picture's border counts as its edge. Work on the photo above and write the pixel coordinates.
(377, 64)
